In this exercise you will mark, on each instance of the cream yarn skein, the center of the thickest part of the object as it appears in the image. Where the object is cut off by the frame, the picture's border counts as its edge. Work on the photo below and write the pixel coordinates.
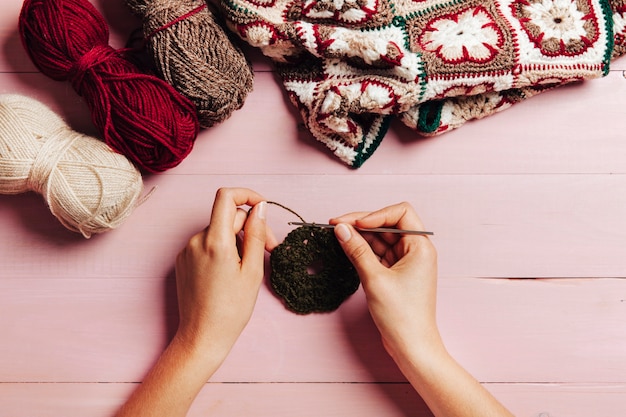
(87, 186)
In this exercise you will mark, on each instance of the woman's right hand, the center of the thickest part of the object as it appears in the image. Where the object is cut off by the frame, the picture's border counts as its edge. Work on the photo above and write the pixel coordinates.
(399, 277)
(398, 273)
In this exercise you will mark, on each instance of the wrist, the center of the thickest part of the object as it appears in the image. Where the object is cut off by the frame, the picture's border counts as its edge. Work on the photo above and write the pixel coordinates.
(198, 349)
(417, 351)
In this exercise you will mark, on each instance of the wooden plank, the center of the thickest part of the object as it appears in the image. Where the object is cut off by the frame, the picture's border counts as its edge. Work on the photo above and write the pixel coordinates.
(55, 400)
(111, 330)
(550, 133)
(485, 225)
(312, 400)
(554, 400)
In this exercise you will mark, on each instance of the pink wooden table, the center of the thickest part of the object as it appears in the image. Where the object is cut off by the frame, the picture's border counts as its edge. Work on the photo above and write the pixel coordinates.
(529, 211)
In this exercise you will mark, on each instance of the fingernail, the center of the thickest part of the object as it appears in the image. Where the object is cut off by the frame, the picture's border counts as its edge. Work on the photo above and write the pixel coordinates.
(342, 232)
(261, 209)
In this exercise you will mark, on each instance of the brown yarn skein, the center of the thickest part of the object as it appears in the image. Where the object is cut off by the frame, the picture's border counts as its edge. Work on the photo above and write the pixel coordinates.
(193, 53)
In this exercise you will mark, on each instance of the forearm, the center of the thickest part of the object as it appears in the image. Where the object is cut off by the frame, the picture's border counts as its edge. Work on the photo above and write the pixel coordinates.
(446, 387)
(174, 382)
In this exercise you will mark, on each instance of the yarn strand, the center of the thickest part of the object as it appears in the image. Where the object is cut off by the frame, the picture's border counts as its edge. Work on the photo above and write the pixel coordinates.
(175, 21)
(288, 209)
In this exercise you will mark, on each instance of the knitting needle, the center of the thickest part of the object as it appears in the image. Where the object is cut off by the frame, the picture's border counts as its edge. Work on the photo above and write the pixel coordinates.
(376, 229)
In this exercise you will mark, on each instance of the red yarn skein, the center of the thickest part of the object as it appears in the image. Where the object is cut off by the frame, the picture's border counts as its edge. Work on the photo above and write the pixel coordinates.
(139, 115)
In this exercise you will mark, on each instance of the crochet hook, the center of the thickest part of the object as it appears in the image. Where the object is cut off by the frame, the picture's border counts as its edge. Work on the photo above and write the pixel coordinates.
(376, 229)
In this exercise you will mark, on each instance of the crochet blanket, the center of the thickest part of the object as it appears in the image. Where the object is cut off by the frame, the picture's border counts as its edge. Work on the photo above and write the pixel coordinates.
(350, 66)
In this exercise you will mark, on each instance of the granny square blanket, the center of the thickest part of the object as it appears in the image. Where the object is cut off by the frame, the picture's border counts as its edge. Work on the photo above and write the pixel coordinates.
(350, 66)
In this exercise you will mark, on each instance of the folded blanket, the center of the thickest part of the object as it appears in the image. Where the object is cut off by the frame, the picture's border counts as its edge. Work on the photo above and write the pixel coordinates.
(350, 66)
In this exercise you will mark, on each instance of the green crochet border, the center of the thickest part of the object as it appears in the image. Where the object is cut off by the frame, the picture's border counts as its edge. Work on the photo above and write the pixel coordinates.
(429, 118)
(363, 154)
(607, 11)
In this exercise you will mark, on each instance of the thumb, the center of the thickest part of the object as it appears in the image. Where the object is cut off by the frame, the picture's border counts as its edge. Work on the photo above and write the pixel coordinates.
(357, 250)
(254, 239)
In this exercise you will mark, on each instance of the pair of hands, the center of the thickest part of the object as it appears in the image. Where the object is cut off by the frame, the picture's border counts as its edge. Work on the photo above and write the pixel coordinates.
(220, 271)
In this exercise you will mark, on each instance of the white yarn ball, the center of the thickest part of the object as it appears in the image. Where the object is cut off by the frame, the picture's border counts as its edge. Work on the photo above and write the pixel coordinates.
(87, 186)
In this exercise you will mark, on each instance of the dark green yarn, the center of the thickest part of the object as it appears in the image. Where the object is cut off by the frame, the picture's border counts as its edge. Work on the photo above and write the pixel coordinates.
(310, 271)
(430, 116)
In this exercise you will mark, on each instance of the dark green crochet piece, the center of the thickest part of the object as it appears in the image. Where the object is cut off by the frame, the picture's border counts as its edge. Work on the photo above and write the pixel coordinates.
(310, 271)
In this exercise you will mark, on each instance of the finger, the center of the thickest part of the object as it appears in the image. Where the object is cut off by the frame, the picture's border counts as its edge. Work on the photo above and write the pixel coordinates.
(378, 243)
(254, 238)
(225, 208)
(240, 219)
(349, 218)
(401, 215)
(357, 250)
(270, 239)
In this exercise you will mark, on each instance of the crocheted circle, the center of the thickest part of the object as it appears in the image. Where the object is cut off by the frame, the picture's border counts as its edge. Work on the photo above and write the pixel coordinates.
(310, 271)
